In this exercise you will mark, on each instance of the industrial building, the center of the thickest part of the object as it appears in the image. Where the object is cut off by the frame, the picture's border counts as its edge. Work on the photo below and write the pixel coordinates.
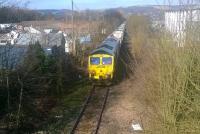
(180, 22)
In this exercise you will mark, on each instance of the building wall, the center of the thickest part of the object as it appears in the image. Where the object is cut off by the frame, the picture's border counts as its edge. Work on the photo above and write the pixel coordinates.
(11, 56)
(177, 22)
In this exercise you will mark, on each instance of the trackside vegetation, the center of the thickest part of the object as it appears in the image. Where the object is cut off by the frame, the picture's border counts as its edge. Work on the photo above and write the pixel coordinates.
(45, 92)
(172, 80)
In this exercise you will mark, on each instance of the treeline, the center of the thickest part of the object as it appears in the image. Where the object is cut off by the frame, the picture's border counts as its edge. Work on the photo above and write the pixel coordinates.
(85, 15)
(108, 21)
(14, 15)
(113, 19)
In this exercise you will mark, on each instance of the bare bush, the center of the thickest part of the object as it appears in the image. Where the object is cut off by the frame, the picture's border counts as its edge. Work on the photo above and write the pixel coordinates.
(172, 82)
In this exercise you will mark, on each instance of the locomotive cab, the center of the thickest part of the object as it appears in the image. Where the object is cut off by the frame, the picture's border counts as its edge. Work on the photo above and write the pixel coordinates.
(101, 67)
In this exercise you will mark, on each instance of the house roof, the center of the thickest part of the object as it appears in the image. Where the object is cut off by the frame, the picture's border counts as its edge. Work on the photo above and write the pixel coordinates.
(28, 38)
(46, 40)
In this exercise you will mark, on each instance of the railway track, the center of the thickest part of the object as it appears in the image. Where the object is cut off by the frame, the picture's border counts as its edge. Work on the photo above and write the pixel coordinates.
(99, 112)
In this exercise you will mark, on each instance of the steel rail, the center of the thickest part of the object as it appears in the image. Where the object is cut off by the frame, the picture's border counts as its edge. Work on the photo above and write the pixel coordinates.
(102, 110)
(82, 111)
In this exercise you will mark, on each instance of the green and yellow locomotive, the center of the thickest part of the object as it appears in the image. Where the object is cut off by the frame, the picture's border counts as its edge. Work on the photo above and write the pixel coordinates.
(102, 61)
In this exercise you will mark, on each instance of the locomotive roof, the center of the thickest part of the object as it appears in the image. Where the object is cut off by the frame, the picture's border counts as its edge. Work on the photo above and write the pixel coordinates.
(102, 50)
(111, 38)
(107, 47)
(110, 44)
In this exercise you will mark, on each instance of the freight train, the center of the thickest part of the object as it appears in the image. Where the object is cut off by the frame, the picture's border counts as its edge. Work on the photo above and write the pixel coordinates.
(103, 60)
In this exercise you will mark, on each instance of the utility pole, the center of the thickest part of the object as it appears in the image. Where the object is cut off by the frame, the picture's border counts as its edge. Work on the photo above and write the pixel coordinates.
(73, 38)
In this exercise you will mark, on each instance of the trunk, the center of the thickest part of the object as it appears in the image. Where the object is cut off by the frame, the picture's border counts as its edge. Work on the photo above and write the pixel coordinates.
(20, 101)
(8, 101)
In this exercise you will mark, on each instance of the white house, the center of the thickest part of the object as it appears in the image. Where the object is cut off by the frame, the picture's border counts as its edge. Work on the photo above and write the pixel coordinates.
(32, 30)
(68, 45)
(177, 22)
(4, 26)
(13, 36)
(47, 31)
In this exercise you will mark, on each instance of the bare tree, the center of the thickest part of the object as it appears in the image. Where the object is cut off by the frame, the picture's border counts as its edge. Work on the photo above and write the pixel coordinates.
(20, 100)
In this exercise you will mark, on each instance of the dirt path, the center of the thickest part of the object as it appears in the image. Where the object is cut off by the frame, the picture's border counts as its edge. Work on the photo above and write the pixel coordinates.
(126, 105)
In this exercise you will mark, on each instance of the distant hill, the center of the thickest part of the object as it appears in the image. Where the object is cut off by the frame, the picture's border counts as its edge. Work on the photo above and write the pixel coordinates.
(57, 14)
(156, 12)
(151, 11)
(65, 13)
(54, 11)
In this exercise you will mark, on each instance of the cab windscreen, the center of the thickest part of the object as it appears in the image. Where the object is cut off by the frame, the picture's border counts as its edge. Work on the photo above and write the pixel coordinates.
(107, 60)
(94, 60)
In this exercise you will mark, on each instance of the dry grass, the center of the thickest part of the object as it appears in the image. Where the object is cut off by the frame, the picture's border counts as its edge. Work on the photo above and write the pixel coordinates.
(139, 30)
(174, 86)
(172, 82)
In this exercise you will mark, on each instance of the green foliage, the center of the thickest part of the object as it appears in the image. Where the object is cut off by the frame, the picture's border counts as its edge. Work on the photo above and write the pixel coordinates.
(3, 98)
(35, 58)
(37, 61)
(39, 75)
(48, 64)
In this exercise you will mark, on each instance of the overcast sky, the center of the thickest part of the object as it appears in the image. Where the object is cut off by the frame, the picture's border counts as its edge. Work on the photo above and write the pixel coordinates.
(89, 4)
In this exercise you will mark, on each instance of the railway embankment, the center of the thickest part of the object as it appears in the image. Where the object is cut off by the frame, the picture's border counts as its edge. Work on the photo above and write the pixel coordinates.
(162, 95)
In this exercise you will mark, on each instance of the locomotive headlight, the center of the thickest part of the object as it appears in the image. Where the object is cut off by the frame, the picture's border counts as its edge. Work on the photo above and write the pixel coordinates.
(108, 75)
(93, 72)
